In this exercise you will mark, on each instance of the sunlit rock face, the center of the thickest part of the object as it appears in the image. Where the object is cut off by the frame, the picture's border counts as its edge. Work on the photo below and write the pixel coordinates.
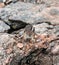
(43, 15)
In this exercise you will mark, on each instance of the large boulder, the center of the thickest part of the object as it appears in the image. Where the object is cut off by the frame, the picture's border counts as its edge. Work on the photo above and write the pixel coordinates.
(20, 13)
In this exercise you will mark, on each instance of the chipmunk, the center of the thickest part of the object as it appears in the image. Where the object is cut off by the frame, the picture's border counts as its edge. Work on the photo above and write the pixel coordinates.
(29, 33)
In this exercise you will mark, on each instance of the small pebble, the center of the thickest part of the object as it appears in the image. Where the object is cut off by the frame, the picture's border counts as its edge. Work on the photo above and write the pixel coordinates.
(20, 45)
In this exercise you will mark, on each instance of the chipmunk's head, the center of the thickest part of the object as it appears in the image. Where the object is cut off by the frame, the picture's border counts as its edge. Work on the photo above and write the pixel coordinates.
(29, 28)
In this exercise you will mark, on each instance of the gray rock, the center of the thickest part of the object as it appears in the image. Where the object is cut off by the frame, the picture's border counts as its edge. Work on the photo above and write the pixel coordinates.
(24, 13)
(54, 11)
(3, 27)
(56, 60)
(48, 2)
(1, 0)
(14, 1)
(41, 28)
(56, 30)
(5, 40)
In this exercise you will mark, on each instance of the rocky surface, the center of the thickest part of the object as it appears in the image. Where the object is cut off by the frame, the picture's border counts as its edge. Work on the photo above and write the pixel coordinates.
(43, 15)
(3, 27)
(29, 13)
(13, 50)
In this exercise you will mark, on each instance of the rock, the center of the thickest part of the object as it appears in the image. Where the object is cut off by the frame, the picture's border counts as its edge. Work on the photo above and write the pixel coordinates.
(9, 50)
(44, 18)
(51, 2)
(26, 13)
(1, 0)
(9, 14)
(47, 2)
(13, 52)
(6, 13)
(54, 11)
(20, 45)
(47, 13)
(5, 40)
(3, 27)
(55, 50)
(41, 28)
(56, 60)
(57, 28)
